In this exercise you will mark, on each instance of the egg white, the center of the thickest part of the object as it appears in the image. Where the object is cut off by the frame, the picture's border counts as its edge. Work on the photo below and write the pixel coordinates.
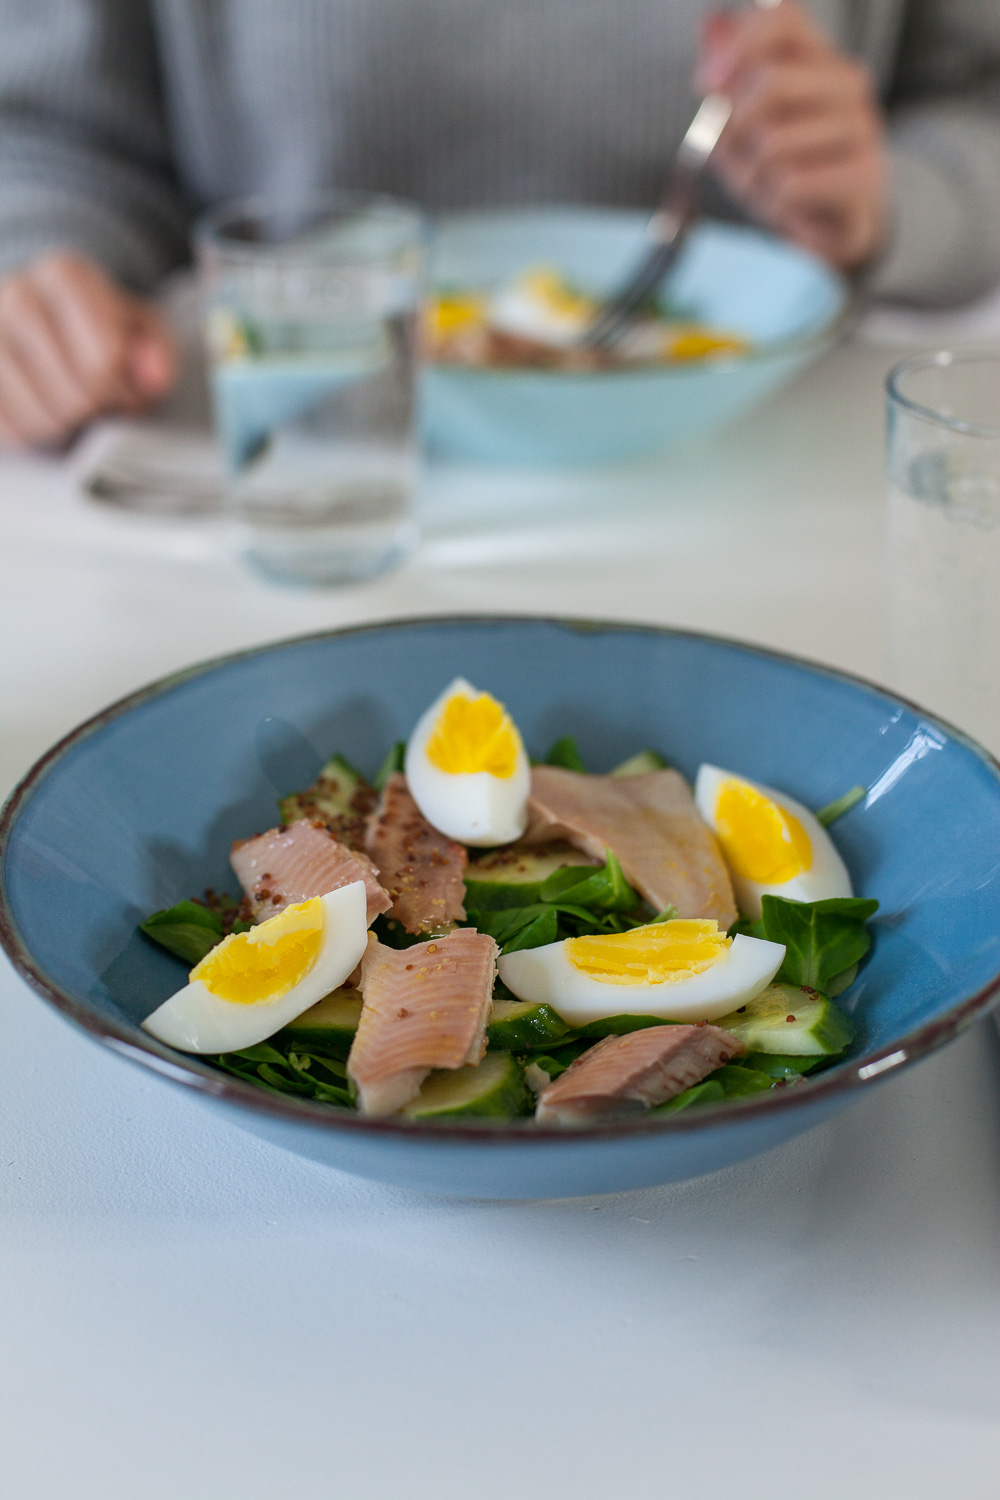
(826, 877)
(473, 807)
(519, 310)
(195, 1020)
(546, 976)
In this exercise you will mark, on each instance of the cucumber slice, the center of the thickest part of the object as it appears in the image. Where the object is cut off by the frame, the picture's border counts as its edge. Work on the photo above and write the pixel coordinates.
(519, 1024)
(709, 1092)
(789, 1020)
(326, 1028)
(333, 795)
(638, 765)
(514, 876)
(494, 1089)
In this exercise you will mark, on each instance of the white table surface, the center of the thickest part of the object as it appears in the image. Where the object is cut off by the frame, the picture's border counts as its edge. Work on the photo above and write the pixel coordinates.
(190, 1314)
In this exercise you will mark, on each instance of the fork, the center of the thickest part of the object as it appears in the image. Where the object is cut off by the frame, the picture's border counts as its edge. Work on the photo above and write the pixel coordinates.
(669, 226)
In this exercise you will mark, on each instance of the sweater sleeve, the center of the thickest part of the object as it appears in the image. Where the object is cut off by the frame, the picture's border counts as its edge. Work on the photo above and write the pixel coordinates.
(84, 149)
(944, 112)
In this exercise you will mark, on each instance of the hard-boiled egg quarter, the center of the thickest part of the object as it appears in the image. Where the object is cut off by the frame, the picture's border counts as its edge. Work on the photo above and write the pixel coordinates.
(540, 305)
(771, 843)
(255, 982)
(685, 970)
(467, 769)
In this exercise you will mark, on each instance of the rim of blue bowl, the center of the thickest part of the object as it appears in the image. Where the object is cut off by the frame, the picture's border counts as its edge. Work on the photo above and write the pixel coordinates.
(138, 1046)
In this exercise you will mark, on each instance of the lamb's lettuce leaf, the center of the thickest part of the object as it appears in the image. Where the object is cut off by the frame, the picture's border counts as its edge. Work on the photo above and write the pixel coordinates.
(577, 901)
(187, 930)
(709, 1092)
(392, 763)
(824, 940)
(298, 1073)
(565, 753)
(597, 890)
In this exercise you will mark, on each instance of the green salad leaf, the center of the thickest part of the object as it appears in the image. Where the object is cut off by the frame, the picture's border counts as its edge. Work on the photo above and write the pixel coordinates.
(565, 753)
(778, 1065)
(620, 1025)
(187, 930)
(734, 1081)
(708, 1092)
(518, 926)
(576, 901)
(737, 1080)
(824, 940)
(557, 1059)
(841, 805)
(394, 935)
(597, 890)
(841, 982)
(296, 1072)
(392, 763)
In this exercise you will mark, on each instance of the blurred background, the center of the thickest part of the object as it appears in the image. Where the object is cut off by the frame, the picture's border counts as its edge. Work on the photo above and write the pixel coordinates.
(865, 134)
(297, 332)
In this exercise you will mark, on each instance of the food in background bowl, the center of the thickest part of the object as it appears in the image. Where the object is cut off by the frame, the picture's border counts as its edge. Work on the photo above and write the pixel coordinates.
(782, 303)
(537, 319)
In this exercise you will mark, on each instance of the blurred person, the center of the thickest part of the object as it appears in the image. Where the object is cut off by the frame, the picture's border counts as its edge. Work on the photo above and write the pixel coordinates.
(867, 132)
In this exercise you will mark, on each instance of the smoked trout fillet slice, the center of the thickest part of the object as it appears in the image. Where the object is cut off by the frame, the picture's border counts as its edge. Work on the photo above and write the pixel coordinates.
(423, 870)
(625, 1075)
(650, 823)
(424, 1007)
(297, 862)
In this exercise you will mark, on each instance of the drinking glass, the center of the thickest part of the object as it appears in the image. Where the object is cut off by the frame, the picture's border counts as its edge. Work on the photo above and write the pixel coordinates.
(944, 536)
(312, 334)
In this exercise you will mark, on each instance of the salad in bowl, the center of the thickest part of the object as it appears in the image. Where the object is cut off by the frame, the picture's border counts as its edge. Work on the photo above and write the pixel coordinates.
(694, 921)
(471, 935)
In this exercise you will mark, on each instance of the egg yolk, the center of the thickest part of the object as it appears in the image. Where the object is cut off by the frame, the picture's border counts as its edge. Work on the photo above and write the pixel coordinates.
(268, 961)
(454, 314)
(761, 841)
(549, 288)
(696, 343)
(474, 734)
(660, 954)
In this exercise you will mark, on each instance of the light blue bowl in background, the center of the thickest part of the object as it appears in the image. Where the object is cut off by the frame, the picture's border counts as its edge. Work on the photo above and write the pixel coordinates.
(139, 808)
(787, 303)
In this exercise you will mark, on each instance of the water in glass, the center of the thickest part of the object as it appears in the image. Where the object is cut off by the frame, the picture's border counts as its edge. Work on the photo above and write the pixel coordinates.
(313, 344)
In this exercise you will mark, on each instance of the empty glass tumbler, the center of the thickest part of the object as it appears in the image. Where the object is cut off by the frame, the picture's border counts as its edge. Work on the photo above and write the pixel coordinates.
(312, 332)
(944, 537)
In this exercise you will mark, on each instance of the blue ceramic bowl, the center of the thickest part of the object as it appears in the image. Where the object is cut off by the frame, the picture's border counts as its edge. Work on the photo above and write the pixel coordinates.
(138, 808)
(788, 304)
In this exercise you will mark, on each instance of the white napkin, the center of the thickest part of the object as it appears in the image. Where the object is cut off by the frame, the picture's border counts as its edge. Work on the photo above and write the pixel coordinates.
(152, 465)
(168, 463)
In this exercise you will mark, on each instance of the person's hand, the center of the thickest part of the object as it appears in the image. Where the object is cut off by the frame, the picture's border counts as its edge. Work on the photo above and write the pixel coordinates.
(73, 345)
(804, 146)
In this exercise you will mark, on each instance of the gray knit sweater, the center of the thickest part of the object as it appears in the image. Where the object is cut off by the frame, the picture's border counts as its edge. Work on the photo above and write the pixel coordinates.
(119, 119)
